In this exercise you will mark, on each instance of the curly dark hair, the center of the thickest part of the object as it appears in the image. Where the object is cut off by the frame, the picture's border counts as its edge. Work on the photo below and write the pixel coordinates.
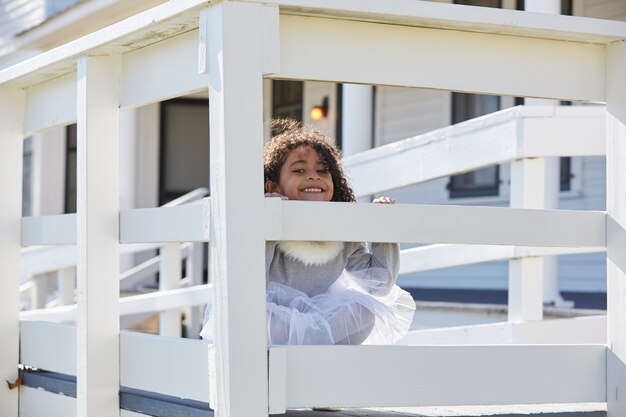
(290, 135)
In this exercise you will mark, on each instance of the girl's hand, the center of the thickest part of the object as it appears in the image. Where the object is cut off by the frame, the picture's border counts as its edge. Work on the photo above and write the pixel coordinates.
(275, 195)
(384, 200)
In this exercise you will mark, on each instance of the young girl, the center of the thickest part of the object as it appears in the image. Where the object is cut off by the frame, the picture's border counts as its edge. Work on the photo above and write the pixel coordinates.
(325, 292)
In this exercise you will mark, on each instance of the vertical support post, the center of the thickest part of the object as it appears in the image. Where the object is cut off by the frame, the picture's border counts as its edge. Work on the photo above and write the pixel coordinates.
(550, 269)
(11, 150)
(525, 274)
(195, 263)
(616, 228)
(97, 236)
(169, 278)
(66, 281)
(238, 34)
(39, 290)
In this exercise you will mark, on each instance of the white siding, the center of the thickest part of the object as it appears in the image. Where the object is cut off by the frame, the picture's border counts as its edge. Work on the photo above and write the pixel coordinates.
(601, 9)
(403, 112)
(19, 15)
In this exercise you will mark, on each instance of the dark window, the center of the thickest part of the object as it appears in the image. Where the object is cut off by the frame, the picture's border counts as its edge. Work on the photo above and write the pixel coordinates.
(482, 182)
(287, 99)
(481, 3)
(184, 147)
(565, 173)
(70, 169)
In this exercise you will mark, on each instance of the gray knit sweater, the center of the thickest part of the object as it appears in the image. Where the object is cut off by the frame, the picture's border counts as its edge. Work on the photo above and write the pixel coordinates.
(353, 257)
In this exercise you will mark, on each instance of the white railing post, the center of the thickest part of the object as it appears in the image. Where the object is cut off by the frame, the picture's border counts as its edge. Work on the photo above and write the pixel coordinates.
(97, 236)
(11, 152)
(169, 279)
(195, 268)
(242, 45)
(550, 268)
(39, 290)
(616, 233)
(66, 281)
(525, 274)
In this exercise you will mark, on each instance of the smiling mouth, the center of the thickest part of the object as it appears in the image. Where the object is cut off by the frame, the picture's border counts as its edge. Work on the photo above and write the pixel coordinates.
(312, 190)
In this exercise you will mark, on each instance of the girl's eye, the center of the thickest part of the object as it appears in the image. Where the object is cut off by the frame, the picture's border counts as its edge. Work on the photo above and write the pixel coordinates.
(299, 171)
(324, 171)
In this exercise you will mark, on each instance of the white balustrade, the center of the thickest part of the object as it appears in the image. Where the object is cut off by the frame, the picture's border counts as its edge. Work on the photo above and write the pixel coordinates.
(239, 44)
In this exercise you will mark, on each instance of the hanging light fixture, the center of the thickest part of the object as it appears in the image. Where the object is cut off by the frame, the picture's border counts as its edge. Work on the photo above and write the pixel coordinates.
(320, 111)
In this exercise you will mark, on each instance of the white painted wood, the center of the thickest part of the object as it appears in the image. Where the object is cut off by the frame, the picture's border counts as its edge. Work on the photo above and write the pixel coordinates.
(58, 229)
(36, 402)
(237, 237)
(365, 376)
(66, 283)
(504, 136)
(191, 196)
(47, 170)
(543, 6)
(163, 80)
(277, 397)
(430, 14)
(195, 270)
(430, 257)
(564, 136)
(135, 304)
(164, 21)
(529, 189)
(49, 346)
(39, 291)
(212, 376)
(616, 240)
(447, 224)
(39, 259)
(50, 104)
(423, 57)
(166, 365)
(173, 18)
(580, 330)
(356, 118)
(525, 290)
(97, 236)
(404, 112)
(270, 39)
(11, 137)
(169, 278)
(186, 223)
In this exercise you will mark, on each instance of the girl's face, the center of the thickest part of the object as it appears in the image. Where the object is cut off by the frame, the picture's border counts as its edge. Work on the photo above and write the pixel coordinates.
(305, 176)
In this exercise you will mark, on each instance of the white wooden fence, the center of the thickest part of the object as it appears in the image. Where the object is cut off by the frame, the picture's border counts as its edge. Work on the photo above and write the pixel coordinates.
(522, 136)
(239, 43)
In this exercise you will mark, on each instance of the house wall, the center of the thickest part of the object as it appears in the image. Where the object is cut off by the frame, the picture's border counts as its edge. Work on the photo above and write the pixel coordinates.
(403, 112)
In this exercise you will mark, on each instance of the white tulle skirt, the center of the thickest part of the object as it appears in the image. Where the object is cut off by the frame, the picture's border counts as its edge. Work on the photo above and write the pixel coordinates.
(352, 312)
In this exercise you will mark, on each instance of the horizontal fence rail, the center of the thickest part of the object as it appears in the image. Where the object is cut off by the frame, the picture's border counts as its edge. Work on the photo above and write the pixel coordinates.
(187, 223)
(575, 331)
(135, 304)
(430, 257)
(504, 136)
(155, 364)
(446, 224)
(378, 376)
